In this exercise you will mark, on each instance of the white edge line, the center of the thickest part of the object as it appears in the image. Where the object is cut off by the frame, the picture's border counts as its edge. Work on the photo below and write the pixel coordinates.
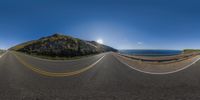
(48, 60)
(3, 54)
(159, 73)
(85, 69)
(97, 61)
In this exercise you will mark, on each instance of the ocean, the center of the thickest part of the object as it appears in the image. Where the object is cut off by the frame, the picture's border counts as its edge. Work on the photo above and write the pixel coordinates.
(153, 53)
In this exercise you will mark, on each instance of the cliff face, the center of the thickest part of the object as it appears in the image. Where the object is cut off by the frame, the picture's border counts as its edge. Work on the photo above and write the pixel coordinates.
(63, 46)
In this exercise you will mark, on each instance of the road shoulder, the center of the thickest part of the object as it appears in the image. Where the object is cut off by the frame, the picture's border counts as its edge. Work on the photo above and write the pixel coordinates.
(157, 68)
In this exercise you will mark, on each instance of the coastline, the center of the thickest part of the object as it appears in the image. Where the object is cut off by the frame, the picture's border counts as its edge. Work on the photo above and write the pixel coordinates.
(161, 59)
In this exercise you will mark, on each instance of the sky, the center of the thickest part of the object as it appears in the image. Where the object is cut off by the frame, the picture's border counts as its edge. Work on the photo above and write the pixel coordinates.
(122, 24)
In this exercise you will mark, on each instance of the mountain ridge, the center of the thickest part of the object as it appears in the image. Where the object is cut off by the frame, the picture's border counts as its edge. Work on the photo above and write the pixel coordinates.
(62, 46)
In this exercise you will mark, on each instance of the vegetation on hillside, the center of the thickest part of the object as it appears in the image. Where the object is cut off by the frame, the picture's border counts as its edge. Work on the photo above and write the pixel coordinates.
(59, 45)
(191, 50)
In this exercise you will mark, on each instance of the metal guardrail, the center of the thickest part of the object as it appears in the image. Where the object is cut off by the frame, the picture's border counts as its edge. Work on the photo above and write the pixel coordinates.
(176, 58)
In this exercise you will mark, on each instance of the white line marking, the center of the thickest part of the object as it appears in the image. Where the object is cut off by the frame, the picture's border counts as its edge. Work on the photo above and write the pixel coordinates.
(49, 60)
(159, 73)
(57, 74)
(3, 54)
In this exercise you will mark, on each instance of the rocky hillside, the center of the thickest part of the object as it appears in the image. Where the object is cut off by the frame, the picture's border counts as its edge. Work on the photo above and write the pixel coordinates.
(61, 46)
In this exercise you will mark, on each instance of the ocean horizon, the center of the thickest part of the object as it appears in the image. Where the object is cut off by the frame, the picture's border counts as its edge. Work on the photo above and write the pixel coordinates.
(148, 52)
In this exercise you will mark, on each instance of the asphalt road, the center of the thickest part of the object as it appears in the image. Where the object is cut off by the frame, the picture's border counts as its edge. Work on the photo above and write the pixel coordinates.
(105, 79)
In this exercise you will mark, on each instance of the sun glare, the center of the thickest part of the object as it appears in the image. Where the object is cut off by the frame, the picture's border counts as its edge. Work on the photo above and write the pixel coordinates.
(100, 41)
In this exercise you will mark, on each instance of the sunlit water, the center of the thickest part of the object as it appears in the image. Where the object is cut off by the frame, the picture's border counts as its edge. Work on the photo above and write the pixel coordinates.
(153, 53)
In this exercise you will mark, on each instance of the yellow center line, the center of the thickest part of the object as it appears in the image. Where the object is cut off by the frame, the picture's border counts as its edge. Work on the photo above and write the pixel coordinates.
(55, 74)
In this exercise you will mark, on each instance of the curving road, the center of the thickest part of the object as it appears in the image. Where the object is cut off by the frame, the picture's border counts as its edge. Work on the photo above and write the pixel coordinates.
(104, 78)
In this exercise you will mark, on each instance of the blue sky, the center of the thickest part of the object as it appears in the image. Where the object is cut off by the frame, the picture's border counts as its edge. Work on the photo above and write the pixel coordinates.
(123, 24)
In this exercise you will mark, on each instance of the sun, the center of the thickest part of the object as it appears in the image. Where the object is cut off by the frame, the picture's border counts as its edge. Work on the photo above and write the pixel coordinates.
(100, 41)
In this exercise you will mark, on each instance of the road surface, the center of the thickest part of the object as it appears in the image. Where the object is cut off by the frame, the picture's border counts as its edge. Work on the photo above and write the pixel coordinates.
(105, 78)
